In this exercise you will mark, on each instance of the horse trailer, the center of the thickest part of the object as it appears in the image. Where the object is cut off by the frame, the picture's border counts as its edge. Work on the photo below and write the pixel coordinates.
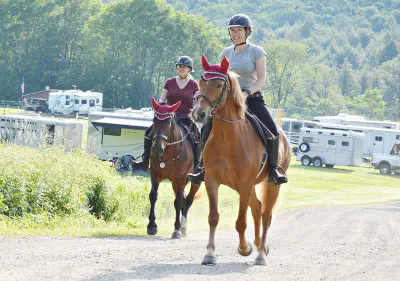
(112, 135)
(329, 147)
(36, 131)
(74, 102)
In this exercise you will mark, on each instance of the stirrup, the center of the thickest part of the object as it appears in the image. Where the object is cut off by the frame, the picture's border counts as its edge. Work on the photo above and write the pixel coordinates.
(196, 178)
(278, 180)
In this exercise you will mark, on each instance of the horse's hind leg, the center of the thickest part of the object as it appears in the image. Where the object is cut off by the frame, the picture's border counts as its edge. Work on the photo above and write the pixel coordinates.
(244, 248)
(152, 226)
(268, 200)
(255, 206)
(188, 203)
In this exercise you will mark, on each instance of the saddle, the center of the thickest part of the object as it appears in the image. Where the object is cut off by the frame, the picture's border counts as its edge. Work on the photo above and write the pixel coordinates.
(192, 132)
(261, 129)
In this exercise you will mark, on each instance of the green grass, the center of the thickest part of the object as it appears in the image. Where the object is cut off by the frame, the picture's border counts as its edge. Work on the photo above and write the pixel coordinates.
(5, 111)
(31, 169)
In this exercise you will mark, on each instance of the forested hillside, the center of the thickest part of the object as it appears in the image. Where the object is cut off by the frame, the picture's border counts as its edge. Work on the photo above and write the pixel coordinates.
(340, 51)
(324, 57)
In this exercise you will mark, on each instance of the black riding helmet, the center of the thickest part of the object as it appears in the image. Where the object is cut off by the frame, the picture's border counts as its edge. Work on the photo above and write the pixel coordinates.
(185, 60)
(240, 20)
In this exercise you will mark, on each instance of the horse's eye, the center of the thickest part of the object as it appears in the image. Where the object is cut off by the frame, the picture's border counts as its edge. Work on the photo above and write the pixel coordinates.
(219, 86)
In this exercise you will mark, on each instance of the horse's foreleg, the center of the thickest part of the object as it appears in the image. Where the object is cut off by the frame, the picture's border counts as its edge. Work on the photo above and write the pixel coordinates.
(178, 204)
(213, 218)
(255, 206)
(188, 203)
(152, 226)
(269, 197)
(244, 248)
(189, 198)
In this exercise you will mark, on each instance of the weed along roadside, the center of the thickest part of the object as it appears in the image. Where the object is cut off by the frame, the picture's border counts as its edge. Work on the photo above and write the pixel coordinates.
(49, 192)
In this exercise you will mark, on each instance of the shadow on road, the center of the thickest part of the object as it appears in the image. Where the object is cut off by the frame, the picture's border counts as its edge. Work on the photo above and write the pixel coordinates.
(158, 271)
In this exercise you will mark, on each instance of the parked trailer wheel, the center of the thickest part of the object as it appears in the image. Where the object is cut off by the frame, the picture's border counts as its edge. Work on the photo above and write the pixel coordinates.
(384, 168)
(306, 160)
(317, 162)
(304, 147)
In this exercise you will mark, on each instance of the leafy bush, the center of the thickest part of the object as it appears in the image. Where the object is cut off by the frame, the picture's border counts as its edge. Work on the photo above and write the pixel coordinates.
(52, 183)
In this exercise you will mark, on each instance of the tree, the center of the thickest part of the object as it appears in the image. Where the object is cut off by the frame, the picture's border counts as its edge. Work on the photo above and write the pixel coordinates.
(284, 62)
(370, 104)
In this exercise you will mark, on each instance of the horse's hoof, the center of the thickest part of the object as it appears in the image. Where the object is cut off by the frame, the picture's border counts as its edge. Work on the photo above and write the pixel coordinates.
(209, 260)
(261, 259)
(183, 231)
(176, 234)
(152, 230)
(246, 252)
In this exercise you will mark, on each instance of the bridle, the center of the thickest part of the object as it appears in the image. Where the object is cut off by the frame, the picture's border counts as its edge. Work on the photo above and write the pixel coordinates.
(216, 104)
(170, 120)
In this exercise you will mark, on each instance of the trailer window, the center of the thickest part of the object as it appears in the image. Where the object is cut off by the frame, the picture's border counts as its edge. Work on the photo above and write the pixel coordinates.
(345, 143)
(378, 138)
(108, 131)
(91, 102)
(76, 101)
(310, 140)
(97, 100)
(84, 101)
(67, 102)
(331, 142)
(397, 137)
(67, 97)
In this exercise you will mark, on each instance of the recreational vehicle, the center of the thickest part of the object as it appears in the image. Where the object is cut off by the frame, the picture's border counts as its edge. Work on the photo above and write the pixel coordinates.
(344, 119)
(74, 101)
(329, 147)
(114, 134)
(35, 131)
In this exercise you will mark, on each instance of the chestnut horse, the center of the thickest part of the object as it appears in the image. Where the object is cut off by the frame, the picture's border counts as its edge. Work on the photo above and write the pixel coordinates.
(171, 157)
(232, 156)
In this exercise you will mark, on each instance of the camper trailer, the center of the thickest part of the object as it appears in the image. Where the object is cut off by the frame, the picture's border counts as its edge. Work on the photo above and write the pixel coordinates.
(74, 102)
(35, 131)
(114, 134)
(330, 147)
(292, 127)
(351, 120)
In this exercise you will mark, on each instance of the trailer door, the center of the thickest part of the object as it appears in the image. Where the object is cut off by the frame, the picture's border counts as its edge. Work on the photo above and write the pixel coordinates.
(378, 143)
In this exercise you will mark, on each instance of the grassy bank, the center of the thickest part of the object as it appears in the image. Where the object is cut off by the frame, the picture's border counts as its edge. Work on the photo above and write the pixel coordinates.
(50, 192)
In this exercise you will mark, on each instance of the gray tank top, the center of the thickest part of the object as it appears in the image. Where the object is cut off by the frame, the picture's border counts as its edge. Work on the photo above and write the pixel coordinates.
(244, 63)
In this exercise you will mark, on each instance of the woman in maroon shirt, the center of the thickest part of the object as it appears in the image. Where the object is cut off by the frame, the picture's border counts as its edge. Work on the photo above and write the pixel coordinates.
(179, 88)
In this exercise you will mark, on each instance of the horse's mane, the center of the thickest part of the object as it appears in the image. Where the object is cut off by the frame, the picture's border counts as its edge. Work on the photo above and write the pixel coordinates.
(237, 94)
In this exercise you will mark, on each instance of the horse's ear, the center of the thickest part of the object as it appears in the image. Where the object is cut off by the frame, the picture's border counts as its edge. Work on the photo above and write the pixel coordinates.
(175, 106)
(204, 62)
(224, 65)
(155, 104)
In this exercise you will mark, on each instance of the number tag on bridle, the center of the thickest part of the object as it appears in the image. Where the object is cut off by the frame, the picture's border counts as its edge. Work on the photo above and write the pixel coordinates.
(162, 165)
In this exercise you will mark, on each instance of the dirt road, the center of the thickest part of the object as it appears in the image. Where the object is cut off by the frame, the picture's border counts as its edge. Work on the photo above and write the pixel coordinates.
(329, 243)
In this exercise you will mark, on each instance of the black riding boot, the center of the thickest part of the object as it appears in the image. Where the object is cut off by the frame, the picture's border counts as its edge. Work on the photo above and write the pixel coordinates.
(144, 163)
(274, 175)
(198, 174)
(196, 155)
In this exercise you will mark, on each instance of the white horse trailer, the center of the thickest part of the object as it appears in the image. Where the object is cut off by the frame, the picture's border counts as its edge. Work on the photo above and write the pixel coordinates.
(36, 131)
(114, 134)
(75, 101)
(329, 147)
(292, 127)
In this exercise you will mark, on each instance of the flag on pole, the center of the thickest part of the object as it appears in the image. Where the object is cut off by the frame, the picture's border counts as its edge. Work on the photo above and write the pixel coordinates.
(23, 86)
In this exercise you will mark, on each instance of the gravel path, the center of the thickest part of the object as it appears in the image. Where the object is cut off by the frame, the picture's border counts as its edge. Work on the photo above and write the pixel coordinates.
(328, 243)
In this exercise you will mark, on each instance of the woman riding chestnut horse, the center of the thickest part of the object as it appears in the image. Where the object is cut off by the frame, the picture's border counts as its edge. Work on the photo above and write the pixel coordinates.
(233, 156)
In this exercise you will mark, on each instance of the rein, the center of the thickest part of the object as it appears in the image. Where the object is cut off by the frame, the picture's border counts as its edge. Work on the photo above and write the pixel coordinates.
(216, 104)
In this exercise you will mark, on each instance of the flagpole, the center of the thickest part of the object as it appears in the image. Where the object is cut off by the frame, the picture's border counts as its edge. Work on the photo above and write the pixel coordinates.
(22, 91)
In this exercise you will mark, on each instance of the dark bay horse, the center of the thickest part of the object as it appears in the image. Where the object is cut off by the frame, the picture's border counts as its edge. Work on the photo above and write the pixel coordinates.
(171, 158)
(232, 156)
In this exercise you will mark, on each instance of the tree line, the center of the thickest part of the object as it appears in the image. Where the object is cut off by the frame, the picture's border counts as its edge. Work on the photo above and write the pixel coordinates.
(323, 57)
